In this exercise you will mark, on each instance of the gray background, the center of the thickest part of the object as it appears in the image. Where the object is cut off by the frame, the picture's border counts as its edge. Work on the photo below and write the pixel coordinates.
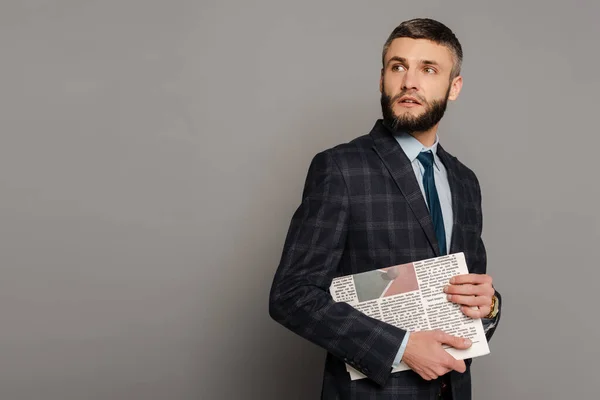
(153, 152)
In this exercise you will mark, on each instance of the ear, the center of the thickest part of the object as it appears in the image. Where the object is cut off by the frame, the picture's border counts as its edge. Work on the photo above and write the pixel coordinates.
(455, 88)
(381, 82)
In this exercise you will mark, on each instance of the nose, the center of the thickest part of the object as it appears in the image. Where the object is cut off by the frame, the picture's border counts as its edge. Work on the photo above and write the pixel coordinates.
(410, 80)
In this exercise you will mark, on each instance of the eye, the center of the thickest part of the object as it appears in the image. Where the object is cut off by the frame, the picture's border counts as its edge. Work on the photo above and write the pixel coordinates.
(429, 70)
(398, 67)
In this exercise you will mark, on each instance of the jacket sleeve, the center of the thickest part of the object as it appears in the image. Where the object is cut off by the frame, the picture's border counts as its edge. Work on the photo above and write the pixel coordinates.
(299, 297)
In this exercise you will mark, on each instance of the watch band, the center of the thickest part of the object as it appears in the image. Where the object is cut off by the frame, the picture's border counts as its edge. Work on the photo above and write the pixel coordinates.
(493, 308)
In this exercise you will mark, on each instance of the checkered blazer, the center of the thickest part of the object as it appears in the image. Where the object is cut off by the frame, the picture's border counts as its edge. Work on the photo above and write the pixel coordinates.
(362, 209)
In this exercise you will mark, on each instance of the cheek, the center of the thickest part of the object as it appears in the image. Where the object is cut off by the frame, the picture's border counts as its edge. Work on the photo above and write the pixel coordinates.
(390, 86)
(391, 93)
(437, 90)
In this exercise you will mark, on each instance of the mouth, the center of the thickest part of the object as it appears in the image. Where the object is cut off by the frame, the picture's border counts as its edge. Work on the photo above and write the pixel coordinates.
(408, 101)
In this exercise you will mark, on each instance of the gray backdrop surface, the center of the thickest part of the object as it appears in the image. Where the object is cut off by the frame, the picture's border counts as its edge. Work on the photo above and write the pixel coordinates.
(153, 152)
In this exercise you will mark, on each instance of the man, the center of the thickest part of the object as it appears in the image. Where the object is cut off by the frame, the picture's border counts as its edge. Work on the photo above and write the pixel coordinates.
(390, 197)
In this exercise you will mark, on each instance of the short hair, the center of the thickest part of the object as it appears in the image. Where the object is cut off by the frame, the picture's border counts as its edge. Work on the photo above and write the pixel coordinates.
(430, 29)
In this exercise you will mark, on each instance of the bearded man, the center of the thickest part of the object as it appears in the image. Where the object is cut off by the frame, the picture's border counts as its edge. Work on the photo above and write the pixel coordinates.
(390, 197)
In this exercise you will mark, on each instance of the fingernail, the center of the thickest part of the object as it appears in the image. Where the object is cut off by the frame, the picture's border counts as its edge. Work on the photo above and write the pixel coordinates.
(467, 342)
(451, 280)
(449, 297)
(446, 289)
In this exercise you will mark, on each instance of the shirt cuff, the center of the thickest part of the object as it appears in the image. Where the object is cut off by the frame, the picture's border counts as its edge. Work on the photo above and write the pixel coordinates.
(489, 323)
(401, 350)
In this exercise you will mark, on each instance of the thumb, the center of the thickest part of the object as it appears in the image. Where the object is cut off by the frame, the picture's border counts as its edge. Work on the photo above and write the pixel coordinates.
(454, 341)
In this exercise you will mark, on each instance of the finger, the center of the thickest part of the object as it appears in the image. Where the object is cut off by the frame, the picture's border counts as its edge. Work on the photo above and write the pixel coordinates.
(452, 363)
(471, 289)
(443, 370)
(470, 300)
(471, 278)
(465, 289)
(454, 341)
(475, 313)
(427, 375)
(459, 366)
(433, 374)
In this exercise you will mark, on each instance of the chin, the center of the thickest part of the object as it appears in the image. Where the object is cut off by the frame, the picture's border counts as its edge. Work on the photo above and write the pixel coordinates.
(412, 112)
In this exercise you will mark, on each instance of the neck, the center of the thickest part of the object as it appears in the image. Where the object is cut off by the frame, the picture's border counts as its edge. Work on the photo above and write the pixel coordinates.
(427, 138)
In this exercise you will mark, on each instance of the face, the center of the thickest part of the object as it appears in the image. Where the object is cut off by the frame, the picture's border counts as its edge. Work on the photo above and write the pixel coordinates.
(415, 84)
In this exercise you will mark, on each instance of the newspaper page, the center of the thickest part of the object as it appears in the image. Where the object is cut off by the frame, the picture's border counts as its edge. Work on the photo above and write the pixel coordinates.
(411, 297)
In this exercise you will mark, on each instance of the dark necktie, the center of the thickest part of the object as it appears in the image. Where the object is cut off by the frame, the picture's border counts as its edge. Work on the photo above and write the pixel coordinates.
(433, 200)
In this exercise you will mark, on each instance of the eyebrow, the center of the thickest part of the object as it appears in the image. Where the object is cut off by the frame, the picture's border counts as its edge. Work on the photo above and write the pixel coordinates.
(404, 61)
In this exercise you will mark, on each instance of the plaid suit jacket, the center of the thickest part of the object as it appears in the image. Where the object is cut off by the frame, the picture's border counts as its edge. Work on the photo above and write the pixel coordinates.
(362, 209)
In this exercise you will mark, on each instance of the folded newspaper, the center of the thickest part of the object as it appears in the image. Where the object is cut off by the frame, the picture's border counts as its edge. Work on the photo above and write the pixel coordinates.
(411, 297)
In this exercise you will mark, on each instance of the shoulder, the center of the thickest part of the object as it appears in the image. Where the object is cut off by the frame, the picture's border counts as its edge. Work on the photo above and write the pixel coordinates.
(333, 166)
(349, 154)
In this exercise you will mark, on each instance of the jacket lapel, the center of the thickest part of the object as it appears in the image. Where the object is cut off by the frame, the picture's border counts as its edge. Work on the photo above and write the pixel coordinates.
(401, 170)
(456, 189)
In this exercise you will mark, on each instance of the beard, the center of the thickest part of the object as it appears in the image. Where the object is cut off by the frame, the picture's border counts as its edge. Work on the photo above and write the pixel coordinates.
(434, 111)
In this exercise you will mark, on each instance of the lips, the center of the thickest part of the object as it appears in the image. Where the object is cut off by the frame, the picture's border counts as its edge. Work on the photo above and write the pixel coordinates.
(408, 100)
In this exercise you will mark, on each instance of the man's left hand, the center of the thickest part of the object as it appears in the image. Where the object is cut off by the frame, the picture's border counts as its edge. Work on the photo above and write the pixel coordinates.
(471, 290)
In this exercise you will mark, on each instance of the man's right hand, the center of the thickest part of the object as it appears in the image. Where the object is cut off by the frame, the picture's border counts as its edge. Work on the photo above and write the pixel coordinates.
(425, 355)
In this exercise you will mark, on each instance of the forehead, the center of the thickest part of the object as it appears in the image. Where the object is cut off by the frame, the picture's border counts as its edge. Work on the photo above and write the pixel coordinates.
(419, 49)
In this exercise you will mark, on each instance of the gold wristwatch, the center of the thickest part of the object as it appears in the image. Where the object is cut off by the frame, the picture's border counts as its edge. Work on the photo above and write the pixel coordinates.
(493, 308)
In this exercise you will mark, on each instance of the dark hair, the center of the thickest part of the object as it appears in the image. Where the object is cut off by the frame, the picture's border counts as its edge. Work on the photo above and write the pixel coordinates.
(425, 28)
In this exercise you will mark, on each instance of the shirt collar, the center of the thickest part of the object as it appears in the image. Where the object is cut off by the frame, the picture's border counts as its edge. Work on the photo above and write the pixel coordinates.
(412, 147)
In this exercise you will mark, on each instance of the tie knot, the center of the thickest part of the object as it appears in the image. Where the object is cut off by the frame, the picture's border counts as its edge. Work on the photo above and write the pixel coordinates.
(426, 158)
